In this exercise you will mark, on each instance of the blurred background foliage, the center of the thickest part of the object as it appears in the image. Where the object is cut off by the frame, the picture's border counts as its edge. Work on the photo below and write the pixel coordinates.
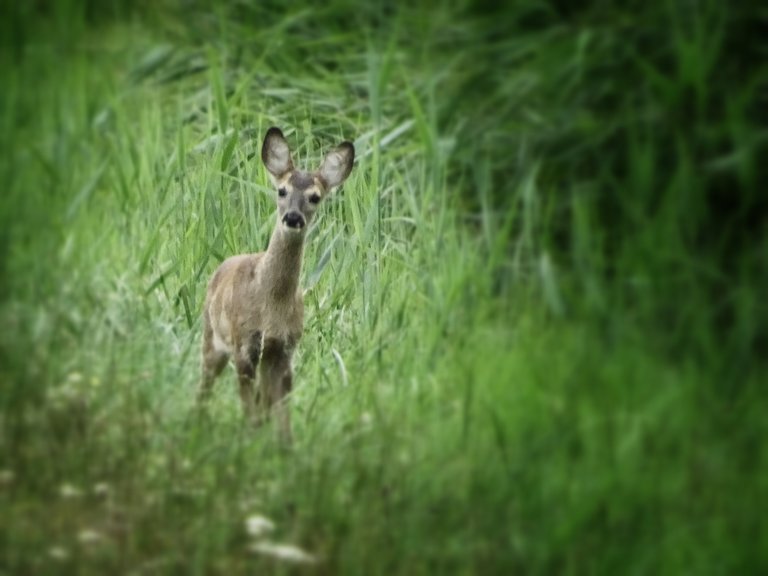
(543, 284)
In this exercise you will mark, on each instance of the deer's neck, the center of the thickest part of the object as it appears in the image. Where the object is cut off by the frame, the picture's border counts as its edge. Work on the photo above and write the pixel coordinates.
(282, 263)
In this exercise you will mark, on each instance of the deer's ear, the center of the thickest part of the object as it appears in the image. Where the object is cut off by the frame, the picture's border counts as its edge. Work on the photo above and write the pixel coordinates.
(276, 154)
(337, 165)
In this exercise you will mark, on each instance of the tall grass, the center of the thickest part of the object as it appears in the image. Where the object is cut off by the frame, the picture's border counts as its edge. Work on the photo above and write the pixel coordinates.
(534, 326)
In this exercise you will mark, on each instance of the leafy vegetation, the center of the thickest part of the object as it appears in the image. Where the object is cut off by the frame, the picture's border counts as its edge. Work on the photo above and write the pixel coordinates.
(535, 334)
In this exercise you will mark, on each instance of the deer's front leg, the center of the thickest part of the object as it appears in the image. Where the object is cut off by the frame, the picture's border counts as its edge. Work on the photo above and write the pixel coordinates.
(213, 362)
(246, 361)
(275, 381)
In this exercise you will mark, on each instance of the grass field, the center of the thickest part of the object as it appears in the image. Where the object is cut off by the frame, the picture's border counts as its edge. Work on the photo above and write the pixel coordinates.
(535, 340)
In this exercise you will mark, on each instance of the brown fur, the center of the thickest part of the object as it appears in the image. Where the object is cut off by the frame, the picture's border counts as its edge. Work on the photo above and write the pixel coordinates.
(254, 309)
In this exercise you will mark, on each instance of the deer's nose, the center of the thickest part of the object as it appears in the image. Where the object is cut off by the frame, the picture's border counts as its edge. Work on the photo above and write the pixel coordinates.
(294, 220)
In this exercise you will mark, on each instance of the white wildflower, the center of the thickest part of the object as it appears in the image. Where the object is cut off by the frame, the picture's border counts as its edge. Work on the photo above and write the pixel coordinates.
(285, 552)
(101, 489)
(58, 553)
(68, 491)
(257, 525)
(6, 477)
(89, 537)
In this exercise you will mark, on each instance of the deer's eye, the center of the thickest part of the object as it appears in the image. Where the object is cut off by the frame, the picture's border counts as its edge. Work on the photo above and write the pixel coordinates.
(282, 192)
(315, 198)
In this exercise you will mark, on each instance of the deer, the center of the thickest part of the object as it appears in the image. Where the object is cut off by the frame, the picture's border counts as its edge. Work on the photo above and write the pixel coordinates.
(254, 307)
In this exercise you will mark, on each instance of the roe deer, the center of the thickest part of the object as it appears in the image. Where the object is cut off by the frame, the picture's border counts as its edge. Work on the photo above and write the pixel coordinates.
(254, 309)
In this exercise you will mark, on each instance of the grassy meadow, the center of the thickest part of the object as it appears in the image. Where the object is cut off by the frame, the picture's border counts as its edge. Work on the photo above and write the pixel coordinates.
(535, 340)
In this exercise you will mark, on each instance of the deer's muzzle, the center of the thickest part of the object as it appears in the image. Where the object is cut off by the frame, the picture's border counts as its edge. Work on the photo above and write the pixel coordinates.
(294, 220)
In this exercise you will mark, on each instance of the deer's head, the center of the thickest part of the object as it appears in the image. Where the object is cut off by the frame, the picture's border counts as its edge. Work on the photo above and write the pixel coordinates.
(299, 193)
